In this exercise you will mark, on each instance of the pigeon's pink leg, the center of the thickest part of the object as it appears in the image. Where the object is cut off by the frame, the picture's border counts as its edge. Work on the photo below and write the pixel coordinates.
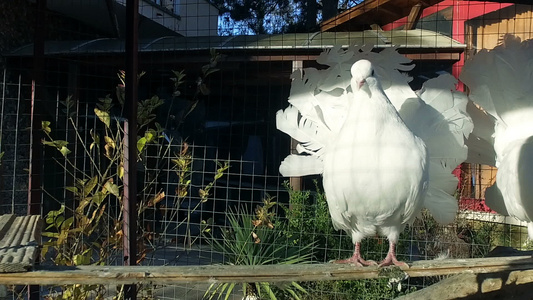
(356, 258)
(391, 258)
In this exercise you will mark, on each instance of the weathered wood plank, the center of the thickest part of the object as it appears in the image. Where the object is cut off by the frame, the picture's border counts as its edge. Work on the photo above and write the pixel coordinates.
(270, 273)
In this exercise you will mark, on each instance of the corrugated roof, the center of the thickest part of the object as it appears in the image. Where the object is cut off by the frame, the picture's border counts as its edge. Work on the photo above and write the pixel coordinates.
(413, 39)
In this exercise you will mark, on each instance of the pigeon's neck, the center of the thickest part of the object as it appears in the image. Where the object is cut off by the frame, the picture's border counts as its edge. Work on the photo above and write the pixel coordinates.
(371, 113)
(379, 102)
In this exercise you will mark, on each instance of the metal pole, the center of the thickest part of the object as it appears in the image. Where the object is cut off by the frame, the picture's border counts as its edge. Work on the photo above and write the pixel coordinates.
(35, 166)
(130, 136)
(34, 185)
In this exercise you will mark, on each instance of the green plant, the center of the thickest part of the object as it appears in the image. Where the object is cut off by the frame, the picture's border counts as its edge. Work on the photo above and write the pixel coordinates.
(258, 240)
(90, 231)
(87, 234)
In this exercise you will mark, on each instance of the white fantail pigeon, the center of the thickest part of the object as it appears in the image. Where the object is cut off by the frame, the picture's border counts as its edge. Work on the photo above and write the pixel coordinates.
(376, 170)
(501, 84)
(384, 151)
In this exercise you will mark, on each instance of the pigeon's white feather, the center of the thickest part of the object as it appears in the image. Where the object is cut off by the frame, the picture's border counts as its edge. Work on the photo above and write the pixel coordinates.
(312, 135)
(494, 199)
(481, 140)
(443, 123)
(301, 165)
(500, 82)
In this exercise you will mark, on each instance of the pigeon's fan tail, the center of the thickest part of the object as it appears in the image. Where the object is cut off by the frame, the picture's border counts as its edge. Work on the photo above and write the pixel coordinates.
(481, 140)
(494, 200)
(443, 123)
(301, 165)
(502, 73)
(442, 206)
(312, 135)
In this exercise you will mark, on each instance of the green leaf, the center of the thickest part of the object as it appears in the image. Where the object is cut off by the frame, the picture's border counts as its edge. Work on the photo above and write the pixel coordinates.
(65, 151)
(149, 136)
(98, 197)
(72, 189)
(67, 223)
(112, 188)
(83, 259)
(141, 143)
(96, 139)
(228, 291)
(109, 141)
(204, 89)
(120, 171)
(210, 71)
(299, 287)
(56, 144)
(50, 234)
(45, 126)
(103, 116)
(266, 286)
(89, 186)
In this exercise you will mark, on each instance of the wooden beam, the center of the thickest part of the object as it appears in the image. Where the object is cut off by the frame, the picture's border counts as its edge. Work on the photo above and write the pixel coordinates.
(433, 56)
(391, 10)
(161, 275)
(413, 56)
(352, 13)
(413, 16)
(367, 8)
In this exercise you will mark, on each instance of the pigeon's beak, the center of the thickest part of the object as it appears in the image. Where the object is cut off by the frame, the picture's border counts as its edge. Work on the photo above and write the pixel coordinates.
(357, 84)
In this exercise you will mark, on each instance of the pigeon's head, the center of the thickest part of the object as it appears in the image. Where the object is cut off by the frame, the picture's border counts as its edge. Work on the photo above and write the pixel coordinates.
(361, 70)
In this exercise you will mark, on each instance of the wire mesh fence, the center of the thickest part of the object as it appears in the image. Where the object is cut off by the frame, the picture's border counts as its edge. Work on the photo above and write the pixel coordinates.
(209, 151)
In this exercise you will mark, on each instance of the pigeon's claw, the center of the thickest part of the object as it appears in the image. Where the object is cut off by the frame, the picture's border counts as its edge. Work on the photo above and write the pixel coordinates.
(356, 258)
(358, 261)
(390, 259)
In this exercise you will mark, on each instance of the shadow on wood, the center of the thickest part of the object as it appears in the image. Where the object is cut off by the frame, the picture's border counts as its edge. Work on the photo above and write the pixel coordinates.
(484, 286)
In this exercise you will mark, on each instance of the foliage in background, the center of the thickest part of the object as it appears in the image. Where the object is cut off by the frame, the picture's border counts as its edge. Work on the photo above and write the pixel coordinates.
(276, 16)
(90, 231)
(258, 239)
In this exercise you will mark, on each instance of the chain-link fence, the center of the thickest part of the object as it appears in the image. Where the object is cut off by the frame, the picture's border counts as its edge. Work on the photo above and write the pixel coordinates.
(209, 151)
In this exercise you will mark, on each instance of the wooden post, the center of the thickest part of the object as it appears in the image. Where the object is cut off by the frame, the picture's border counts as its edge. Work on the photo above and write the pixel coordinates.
(295, 182)
(34, 180)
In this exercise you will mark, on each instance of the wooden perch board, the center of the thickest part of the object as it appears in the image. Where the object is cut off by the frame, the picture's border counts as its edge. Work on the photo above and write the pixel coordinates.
(269, 273)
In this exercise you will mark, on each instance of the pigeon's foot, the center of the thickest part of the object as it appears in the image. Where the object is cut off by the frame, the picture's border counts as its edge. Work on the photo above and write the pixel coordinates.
(356, 258)
(391, 260)
(358, 261)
